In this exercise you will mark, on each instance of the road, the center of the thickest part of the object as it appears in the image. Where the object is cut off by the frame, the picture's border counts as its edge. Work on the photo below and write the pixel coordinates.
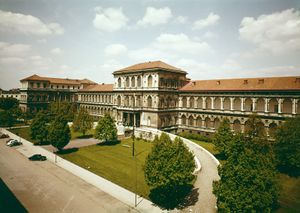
(45, 187)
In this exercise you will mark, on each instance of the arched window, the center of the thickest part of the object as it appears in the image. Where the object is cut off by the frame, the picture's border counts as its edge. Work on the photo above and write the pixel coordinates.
(183, 120)
(216, 123)
(287, 106)
(199, 121)
(191, 102)
(139, 81)
(149, 101)
(237, 126)
(119, 83)
(119, 101)
(272, 129)
(127, 81)
(226, 104)
(149, 81)
(132, 81)
(184, 102)
(191, 121)
(260, 105)
(207, 122)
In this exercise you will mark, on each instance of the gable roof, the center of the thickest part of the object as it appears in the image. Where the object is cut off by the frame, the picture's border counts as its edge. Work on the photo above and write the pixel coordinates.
(98, 88)
(245, 84)
(58, 80)
(151, 65)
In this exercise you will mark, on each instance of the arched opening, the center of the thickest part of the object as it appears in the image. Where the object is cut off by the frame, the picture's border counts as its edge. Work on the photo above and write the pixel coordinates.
(149, 81)
(247, 126)
(207, 122)
(184, 102)
(260, 105)
(191, 121)
(119, 100)
(217, 103)
(149, 101)
(226, 104)
(132, 101)
(199, 103)
(192, 102)
(139, 81)
(237, 104)
(149, 121)
(138, 101)
(248, 105)
(287, 106)
(208, 103)
(273, 105)
(119, 82)
(216, 123)
(237, 126)
(162, 102)
(262, 127)
(127, 82)
(126, 101)
(198, 121)
(183, 120)
(272, 129)
(132, 81)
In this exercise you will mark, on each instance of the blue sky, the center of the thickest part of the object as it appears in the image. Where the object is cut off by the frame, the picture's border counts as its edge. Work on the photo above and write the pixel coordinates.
(209, 39)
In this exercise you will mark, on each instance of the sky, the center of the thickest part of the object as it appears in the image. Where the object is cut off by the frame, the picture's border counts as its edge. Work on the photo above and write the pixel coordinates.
(210, 39)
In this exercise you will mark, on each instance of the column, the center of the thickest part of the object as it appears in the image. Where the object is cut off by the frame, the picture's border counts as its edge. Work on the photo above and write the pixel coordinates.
(254, 104)
(195, 102)
(222, 103)
(203, 102)
(294, 109)
(180, 103)
(212, 102)
(242, 104)
(280, 100)
(187, 102)
(231, 103)
(267, 104)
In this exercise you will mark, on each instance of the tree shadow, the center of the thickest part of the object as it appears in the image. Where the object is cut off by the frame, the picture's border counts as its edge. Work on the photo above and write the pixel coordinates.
(292, 172)
(67, 151)
(109, 143)
(45, 143)
(85, 136)
(220, 156)
(174, 197)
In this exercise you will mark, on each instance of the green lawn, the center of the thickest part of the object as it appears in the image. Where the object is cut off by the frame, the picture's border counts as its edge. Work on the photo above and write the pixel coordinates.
(115, 163)
(206, 145)
(89, 133)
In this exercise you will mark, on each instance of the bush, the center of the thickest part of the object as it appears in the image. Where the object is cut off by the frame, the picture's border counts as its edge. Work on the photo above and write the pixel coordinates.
(193, 136)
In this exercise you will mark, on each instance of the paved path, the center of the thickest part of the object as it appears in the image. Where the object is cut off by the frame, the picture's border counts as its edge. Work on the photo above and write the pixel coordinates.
(45, 187)
(76, 143)
(209, 172)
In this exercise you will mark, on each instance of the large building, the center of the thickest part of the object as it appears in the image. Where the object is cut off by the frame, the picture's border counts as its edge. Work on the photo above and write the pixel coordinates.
(158, 95)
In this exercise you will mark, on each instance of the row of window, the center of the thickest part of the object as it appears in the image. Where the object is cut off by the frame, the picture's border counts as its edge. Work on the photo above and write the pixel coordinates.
(44, 85)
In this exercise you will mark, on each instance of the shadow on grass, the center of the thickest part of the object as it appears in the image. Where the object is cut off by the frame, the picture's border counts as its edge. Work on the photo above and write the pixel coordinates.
(67, 151)
(9, 202)
(175, 197)
(292, 172)
(85, 136)
(220, 156)
(109, 143)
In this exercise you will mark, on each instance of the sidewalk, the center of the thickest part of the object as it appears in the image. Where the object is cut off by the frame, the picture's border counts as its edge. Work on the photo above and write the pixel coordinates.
(114, 190)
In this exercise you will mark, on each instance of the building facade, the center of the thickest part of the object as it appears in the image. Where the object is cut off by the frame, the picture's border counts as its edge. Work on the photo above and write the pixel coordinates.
(158, 95)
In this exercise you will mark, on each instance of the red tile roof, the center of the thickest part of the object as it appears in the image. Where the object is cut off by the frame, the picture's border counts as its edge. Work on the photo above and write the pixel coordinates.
(58, 80)
(98, 88)
(151, 65)
(244, 84)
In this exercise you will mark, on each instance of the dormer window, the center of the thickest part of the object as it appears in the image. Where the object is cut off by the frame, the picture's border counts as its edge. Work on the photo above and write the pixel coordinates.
(245, 81)
(218, 82)
(261, 81)
(297, 80)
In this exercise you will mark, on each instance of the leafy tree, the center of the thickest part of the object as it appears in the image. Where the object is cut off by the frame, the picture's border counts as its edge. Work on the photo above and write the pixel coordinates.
(39, 128)
(255, 129)
(65, 110)
(59, 133)
(6, 119)
(287, 147)
(169, 171)
(106, 129)
(248, 180)
(223, 137)
(82, 121)
(8, 103)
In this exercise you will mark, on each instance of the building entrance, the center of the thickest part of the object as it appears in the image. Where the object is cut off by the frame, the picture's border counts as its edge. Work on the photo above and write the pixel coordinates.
(131, 119)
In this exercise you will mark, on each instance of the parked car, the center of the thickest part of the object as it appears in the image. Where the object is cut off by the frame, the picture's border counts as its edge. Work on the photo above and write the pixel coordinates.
(37, 157)
(10, 139)
(2, 135)
(14, 143)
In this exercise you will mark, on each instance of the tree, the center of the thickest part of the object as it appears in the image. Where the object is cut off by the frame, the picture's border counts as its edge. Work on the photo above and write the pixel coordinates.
(169, 171)
(255, 129)
(65, 110)
(106, 129)
(8, 103)
(287, 147)
(82, 121)
(6, 119)
(39, 128)
(59, 133)
(248, 179)
(223, 137)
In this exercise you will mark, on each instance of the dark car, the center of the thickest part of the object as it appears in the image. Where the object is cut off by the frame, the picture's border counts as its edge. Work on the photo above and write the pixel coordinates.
(37, 157)
(2, 135)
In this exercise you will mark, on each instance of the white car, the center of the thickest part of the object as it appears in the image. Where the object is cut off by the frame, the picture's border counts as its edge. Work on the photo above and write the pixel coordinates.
(14, 143)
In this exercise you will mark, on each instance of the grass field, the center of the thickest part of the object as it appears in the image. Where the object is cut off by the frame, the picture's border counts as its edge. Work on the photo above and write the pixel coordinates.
(115, 163)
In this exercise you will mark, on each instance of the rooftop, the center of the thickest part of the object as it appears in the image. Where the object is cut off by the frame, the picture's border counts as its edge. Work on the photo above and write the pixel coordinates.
(58, 80)
(98, 88)
(245, 84)
(151, 65)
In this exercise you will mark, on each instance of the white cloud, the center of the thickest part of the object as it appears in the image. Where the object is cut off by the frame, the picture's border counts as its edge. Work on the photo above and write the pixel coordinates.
(27, 25)
(182, 19)
(56, 51)
(210, 20)
(278, 33)
(155, 16)
(209, 35)
(109, 19)
(9, 49)
(115, 50)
